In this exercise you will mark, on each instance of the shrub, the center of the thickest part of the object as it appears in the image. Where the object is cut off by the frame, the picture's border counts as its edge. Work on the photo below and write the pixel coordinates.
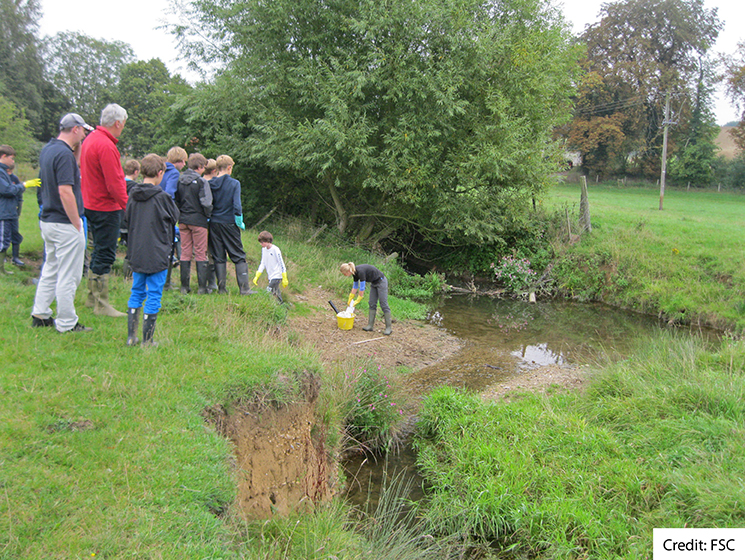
(514, 273)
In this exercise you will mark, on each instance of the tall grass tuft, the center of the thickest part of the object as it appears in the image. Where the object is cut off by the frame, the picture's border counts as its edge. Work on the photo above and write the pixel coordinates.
(656, 441)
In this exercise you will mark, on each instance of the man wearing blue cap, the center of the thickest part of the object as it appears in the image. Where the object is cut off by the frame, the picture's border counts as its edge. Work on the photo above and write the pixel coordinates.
(61, 228)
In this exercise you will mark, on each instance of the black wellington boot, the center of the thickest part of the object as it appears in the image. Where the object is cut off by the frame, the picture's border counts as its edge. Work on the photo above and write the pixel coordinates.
(221, 272)
(202, 273)
(241, 275)
(185, 269)
(133, 323)
(148, 328)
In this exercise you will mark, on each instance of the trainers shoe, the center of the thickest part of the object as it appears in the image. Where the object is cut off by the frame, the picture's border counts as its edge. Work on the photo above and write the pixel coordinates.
(39, 322)
(80, 328)
(18, 262)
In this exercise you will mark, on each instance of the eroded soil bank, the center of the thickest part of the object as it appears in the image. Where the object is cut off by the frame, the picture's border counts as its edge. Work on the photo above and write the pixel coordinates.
(281, 460)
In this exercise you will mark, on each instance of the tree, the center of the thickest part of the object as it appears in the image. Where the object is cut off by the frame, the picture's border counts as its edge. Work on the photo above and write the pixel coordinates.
(735, 80)
(147, 90)
(85, 70)
(21, 71)
(14, 129)
(431, 117)
(642, 50)
(697, 159)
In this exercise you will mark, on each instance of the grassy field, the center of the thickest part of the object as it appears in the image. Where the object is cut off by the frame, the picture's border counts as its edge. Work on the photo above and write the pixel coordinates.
(684, 263)
(104, 452)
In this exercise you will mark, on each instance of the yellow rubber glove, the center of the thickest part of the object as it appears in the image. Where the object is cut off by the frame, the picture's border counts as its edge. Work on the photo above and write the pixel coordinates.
(349, 299)
(256, 277)
(359, 299)
(284, 280)
(32, 183)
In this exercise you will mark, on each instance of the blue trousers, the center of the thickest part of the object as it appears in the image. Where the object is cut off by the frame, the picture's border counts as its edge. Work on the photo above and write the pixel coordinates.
(148, 289)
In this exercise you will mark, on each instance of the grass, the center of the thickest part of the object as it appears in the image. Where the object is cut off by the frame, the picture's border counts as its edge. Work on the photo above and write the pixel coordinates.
(104, 451)
(656, 441)
(684, 262)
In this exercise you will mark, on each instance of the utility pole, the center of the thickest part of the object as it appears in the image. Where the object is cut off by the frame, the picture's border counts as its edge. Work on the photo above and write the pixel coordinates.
(666, 125)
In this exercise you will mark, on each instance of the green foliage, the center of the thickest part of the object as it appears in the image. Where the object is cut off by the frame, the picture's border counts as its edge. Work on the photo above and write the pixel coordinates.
(147, 90)
(14, 129)
(514, 274)
(413, 286)
(376, 413)
(680, 263)
(21, 66)
(85, 70)
(433, 118)
(656, 441)
(639, 52)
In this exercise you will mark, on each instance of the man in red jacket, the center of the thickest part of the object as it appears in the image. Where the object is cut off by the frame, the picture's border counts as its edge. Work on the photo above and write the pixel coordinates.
(105, 198)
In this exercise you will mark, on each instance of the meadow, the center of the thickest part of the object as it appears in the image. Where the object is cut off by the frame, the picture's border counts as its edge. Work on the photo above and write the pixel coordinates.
(105, 452)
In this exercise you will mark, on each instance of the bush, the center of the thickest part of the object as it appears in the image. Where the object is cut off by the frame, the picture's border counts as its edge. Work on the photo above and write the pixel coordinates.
(514, 273)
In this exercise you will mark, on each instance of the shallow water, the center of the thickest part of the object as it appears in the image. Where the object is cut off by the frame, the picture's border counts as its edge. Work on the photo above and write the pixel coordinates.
(502, 338)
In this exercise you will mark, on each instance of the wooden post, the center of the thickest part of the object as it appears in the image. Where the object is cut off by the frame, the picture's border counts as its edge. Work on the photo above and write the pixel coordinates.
(584, 207)
(666, 125)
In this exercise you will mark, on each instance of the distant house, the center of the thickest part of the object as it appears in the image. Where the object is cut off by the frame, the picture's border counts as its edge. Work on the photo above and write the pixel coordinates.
(573, 159)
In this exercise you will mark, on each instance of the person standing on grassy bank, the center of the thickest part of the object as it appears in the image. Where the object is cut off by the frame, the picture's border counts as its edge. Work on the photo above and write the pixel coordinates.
(272, 261)
(363, 274)
(15, 234)
(226, 224)
(61, 226)
(9, 193)
(194, 201)
(105, 198)
(151, 217)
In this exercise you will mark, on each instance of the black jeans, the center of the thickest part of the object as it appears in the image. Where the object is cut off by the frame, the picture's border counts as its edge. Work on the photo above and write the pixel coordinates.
(103, 227)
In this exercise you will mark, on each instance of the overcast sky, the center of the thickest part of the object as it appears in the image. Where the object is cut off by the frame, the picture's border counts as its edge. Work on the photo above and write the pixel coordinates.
(136, 22)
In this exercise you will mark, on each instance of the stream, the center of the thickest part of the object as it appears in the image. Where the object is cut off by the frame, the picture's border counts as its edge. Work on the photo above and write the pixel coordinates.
(503, 338)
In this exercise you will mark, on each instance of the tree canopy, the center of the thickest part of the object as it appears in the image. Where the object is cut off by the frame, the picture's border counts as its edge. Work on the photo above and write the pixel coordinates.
(429, 116)
(86, 70)
(639, 51)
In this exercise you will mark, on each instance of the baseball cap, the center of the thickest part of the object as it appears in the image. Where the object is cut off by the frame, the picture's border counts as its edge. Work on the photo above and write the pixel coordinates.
(73, 119)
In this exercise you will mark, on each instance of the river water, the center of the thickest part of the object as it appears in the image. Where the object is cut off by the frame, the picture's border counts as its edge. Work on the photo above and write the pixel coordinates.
(502, 338)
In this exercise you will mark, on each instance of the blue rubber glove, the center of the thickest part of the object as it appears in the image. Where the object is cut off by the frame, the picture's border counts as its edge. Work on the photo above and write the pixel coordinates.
(239, 222)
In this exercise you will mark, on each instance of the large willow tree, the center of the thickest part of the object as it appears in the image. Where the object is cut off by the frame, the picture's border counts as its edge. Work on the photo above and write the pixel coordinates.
(431, 118)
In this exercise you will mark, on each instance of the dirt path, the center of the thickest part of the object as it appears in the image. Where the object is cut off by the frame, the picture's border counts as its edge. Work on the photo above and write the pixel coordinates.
(414, 345)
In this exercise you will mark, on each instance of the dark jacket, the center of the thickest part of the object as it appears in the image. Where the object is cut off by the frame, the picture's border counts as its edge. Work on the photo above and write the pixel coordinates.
(150, 218)
(8, 195)
(226, 199)
(194, 199)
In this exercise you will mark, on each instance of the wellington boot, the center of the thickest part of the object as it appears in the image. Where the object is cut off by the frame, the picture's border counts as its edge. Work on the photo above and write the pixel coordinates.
(133, 324)
(387, 316)
(202, 272)
(148, 328)
(90, 300)
(168, 285)
(2, 264)
(221, 272)
(101, 304)
(370, 320)
(241, 275)
(211, 282)
(185, 268)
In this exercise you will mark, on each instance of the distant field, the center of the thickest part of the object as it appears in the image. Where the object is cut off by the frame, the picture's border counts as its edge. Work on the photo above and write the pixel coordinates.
(724, 140)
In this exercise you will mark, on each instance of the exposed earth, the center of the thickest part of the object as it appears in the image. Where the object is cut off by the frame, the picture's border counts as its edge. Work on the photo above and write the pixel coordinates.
(281, 460)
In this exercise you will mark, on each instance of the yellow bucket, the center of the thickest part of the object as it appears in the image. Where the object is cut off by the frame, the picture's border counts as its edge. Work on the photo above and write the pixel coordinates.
(345, 323)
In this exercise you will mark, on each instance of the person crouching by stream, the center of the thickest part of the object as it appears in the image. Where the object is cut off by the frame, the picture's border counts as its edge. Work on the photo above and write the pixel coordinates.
(150, 217)
(362, 275)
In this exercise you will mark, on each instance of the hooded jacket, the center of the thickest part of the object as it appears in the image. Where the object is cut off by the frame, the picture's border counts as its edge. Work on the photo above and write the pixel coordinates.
(194, 199)
(8, 195)
(226, 199)
(150, 218)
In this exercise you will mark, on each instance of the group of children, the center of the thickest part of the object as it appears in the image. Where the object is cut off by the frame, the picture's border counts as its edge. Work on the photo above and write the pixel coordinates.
(154, 211)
